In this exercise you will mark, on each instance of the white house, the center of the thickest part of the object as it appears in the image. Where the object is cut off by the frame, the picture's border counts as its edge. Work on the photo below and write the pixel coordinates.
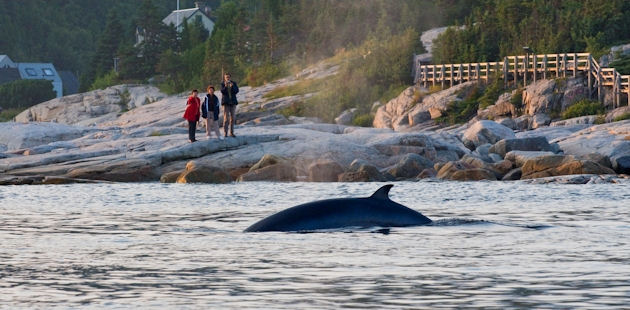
(30, 71)
(177, 18)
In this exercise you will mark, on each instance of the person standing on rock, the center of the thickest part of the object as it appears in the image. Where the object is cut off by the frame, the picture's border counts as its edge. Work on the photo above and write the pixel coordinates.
(192, 114)
(210, 111)
(229, 89)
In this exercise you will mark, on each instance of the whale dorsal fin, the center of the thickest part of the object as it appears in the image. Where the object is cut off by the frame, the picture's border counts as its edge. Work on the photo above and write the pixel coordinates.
(383, 192)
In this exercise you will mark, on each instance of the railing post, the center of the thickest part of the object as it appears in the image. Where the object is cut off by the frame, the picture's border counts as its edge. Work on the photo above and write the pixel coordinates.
(505, 72)
(589, 65)
(618, 89)
(557, 65)
(599, 85)
(545, 67)
(535, 73)
(488, 72)
(575, 64)
(434, 74)
(442, 75)
(477, 72)
(452, 75)
(526, 67)
(564, 65)
(515, 71)
(425, 78)
(461, 73)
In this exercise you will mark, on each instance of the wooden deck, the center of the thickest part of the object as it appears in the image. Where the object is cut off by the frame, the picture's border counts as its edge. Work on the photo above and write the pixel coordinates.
(526, 68)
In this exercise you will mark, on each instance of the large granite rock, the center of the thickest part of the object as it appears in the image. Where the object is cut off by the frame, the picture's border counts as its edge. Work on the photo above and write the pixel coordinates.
(410, 166)
(271, 168)
(324, 171)
(554, 165)
(520, 157)
(523, 144)
(460, 171)
(346, 117)
(91, 107)
(485, 131)
(14, 136)
(203, 174)
(501, 108)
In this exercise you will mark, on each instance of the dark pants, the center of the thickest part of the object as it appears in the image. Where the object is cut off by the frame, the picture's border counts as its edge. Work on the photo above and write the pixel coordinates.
(229, 118)
(192, 127)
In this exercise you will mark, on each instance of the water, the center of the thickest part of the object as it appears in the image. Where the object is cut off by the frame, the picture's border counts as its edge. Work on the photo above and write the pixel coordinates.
(155, 246)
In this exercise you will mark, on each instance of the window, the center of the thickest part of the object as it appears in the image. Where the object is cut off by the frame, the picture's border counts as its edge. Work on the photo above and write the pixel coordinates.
(47, 72)
(31, 72)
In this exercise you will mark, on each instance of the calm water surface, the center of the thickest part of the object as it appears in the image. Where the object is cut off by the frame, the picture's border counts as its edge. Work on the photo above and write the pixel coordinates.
(495, 245)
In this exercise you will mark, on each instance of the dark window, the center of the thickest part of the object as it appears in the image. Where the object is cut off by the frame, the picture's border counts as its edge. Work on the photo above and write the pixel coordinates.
(31, 72)
(47, 72)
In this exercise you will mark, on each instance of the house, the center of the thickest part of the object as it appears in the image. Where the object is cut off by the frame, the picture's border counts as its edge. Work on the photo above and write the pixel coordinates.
(11, 71)
(177, 18)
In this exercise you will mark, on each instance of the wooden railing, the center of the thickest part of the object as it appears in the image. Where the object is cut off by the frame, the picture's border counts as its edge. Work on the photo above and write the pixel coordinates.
(524, 68)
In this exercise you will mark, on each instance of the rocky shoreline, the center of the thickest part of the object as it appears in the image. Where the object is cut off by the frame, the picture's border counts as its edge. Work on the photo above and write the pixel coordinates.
(134, 133)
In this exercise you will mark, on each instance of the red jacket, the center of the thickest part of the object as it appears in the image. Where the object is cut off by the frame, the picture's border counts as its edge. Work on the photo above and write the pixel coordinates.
(192, 109)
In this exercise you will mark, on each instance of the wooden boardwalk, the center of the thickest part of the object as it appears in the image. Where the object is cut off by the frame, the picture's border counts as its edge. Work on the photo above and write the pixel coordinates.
(525, 68)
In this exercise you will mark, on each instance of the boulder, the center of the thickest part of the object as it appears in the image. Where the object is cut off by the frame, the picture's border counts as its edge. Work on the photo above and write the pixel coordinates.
(523, 122)
(460, 171)
(520, 157)
(513, 175)
(346, 117)
(573, 90)
(539, 97)
(598, 158)
(203, 174)
(170, 177)
(554, 165)
(281, 172)
(507, 122)
(14, 136)
(502, 107)
(268, 160)
(541, 165)
(485, 131)
(427, 173)
(618, 112)
(324, 171)
(410, 166)
(123, 170)
(540, 120)
(523, 144)
(622, 164)
(582, 167)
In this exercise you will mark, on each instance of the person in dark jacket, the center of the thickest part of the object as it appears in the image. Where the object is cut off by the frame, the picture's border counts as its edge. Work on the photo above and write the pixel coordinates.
(229, 89)
(192, 114)
(210, 111)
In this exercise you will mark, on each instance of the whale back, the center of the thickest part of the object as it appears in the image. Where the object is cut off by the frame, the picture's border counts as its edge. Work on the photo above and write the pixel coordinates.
(376, 210)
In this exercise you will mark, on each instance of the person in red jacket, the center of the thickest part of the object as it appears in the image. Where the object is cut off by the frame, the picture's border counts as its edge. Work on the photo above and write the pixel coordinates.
(192, 114)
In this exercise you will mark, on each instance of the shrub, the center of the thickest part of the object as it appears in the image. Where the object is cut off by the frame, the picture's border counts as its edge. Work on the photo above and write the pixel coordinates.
(107, 80)
(622, 64)
(582, 108)
(517, 100)
(491, 94)
(8, 114)
(25, 93)
(363, 120)
(260, 75)
(295, 109)
(461, 111)
(622, 117)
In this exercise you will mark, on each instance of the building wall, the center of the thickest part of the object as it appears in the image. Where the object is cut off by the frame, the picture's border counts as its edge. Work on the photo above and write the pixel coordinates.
(33, 71)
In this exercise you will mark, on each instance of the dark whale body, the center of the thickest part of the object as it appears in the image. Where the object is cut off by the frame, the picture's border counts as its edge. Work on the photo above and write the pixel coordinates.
(376, 210)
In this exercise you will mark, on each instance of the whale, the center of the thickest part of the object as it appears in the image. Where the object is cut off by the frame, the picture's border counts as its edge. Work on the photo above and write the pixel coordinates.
(377, 210)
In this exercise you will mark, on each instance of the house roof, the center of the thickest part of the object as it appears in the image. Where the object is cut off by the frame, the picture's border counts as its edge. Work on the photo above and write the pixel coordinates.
(46, 71)
(9, 75)
(183, 15)
(7, 60)
(70, 82)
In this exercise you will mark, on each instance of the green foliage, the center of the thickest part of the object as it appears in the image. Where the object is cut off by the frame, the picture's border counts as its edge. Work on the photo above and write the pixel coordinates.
(302, 87)
(25, 93)
(363, 120)
(295, 109)
(517, 100)
(497, 28)
(622, 117)
(9, 114)
(492, 93)
(256, 76)
(622, 64)
(107, 80)
(582, 108)
(460, 111)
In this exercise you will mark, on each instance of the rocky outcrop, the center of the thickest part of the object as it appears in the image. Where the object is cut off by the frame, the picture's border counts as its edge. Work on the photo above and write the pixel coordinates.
(485, 131)
(271, 168)
(555, 165)
(203, 174)
(520, 157)
(15, 136)
(346, 117)
(360, 171)
(410, 166)
(502, 107)
(92, 107)
(531, 144)
(617, 113)
(461, 171)
(324, 171)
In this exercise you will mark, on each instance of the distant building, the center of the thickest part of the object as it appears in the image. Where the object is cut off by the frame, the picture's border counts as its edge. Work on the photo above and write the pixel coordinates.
(177, 18)
(70, 82)
(11, 71)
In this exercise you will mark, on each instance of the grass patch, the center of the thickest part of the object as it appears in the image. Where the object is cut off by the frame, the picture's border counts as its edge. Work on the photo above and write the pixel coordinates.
(622, 117)
(300, 88)
(363, 120)
(295, 109)
(9, 114)
(582, 108)
(491, 94)
(461, 111)
(156, 133)
(622, 64)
